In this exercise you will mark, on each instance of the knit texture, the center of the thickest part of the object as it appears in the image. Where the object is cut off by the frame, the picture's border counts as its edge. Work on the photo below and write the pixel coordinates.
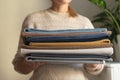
(51, 20)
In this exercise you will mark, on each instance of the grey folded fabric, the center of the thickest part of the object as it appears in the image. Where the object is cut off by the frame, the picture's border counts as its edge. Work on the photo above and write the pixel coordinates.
(68, 60)
(80, 61)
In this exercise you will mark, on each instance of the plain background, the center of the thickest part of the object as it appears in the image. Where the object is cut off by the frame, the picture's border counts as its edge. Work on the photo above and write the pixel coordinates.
(12, 14)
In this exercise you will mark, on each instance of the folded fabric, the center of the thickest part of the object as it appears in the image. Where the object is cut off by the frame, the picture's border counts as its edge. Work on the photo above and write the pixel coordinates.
(105, 51)
(47, 56)
(29, 34)
(64, 31)
(81, 38)
(67, 47)
(71, 58)
(68, 56)
(91, 44)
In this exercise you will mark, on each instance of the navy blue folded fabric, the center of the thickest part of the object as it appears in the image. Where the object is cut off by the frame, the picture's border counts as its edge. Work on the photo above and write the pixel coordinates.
(68, 55)
(81, 38)
(63, 31)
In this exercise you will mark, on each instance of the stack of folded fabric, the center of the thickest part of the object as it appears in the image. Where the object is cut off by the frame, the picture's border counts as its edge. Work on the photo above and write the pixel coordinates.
(76, 45)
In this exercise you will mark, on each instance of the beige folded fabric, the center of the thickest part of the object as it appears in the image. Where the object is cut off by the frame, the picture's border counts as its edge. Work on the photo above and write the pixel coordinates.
(92, 44)
(24, 34)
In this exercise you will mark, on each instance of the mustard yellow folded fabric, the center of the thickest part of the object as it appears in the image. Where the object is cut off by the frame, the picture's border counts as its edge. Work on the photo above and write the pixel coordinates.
(67, 47)
(62, 45)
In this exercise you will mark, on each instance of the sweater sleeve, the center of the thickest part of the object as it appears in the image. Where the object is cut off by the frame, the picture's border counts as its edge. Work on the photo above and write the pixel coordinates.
(19, 61)
(28, 22)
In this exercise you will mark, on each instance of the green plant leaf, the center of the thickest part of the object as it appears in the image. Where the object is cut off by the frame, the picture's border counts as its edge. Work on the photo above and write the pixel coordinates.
(94, 1)
(102, 4)
(109, 18)
(99, 3)
(118, 7)
(102, 14)
(118, 0)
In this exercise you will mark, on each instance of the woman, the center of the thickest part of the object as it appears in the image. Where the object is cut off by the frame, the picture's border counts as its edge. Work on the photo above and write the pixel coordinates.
(60, 16)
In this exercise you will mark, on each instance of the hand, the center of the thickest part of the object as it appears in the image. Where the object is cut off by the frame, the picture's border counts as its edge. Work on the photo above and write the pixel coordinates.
(25, 67)
(94, 69)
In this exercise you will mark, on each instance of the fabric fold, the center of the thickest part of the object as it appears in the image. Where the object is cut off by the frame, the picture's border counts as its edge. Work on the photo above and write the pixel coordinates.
(70, 45)
(68, 56)
(67, 47)
(72, 58)
(29, 34)
(64, 31)
(81, 38)
(91, 44)
(105, 51)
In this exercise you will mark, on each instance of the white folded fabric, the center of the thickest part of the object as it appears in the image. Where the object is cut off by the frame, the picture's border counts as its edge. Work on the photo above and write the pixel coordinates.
(107, 51)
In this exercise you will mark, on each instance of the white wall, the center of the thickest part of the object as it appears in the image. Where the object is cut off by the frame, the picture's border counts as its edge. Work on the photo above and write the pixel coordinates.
(12, 14)
(85, 8)
(115, 71)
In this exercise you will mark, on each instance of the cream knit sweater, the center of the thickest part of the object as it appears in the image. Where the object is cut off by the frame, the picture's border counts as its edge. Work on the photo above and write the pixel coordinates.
(51, 20)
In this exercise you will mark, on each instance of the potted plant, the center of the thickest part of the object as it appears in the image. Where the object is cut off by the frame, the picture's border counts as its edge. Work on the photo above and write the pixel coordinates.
(110, 19)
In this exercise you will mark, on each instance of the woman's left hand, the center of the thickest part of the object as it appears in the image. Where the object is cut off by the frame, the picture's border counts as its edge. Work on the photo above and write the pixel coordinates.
(94, 69)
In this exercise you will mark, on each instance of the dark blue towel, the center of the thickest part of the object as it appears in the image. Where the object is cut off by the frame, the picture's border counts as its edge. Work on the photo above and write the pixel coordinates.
(81, 38)
(68, 55)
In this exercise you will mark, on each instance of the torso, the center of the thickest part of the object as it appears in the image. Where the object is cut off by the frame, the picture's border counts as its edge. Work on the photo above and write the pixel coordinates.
(50, 20)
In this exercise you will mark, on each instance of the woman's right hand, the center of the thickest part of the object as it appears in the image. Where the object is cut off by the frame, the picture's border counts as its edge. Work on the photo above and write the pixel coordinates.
(25, 67)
